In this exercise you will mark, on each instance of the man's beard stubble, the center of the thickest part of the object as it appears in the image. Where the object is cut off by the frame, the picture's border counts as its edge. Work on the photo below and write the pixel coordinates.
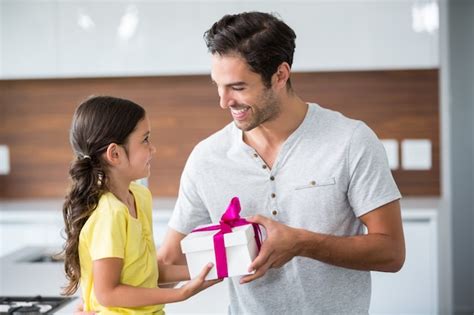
(270, 111)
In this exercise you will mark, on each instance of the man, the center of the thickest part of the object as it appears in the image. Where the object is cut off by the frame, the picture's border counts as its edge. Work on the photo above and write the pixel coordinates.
(312, 177)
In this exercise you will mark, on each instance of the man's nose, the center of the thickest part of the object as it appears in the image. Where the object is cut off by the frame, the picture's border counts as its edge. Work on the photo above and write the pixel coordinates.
(225, 100)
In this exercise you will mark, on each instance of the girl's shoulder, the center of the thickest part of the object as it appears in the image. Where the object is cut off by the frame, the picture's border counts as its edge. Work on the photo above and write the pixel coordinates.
(110, 213)
(108, 208)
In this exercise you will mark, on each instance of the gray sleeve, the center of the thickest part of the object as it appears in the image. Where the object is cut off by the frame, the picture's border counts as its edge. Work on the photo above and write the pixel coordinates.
(371, 183)
(189, 210)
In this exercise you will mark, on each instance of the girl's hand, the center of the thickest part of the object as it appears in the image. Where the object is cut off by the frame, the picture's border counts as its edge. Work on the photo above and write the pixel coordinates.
(80, 309)
(199, 283)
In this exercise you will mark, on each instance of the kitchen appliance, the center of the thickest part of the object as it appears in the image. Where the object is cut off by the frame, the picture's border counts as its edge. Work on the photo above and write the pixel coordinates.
(32, 305)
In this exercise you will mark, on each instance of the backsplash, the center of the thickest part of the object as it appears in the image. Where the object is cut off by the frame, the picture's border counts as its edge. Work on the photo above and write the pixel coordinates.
(399, 105)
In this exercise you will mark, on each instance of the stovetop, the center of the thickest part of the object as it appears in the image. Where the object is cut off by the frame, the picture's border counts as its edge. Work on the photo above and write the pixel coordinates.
(32, 305)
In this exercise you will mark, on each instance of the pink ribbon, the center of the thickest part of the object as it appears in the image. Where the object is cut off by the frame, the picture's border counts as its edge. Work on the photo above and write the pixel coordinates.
(231, 218)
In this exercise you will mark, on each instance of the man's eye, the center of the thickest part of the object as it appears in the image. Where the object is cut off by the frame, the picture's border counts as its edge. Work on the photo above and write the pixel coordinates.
(235, 88)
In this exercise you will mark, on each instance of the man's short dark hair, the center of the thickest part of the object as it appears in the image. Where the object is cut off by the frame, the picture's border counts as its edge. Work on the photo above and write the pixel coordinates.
(263, 40)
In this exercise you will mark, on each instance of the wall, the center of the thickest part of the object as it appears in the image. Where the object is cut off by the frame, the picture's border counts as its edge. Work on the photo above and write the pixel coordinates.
(461, 102)
(445, 227)
(55, 38)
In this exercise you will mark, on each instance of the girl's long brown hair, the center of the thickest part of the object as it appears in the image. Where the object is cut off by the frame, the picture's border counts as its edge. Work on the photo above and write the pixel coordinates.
(97, 122)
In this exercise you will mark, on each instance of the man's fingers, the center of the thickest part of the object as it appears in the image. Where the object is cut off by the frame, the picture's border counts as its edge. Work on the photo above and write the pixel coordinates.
(258, 273)
(261, 259)
(260, 219)
(249, 278)
(278, 263)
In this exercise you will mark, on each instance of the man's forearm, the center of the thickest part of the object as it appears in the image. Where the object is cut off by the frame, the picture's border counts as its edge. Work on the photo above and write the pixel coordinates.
(363, 252)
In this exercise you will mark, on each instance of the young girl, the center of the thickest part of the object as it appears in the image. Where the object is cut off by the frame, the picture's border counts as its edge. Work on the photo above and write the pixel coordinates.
(109, 249)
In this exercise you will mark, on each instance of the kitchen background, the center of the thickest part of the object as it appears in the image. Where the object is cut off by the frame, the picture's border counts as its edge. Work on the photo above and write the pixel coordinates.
(405, 67)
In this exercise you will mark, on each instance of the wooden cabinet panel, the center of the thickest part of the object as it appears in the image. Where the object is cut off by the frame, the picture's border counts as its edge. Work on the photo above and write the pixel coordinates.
(35, 116)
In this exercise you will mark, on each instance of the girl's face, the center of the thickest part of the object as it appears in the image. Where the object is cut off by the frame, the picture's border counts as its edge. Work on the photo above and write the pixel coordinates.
(140, 151)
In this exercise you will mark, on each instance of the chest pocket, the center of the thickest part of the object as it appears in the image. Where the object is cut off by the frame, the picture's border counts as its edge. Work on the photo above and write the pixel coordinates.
(315, 183)
(319, 201)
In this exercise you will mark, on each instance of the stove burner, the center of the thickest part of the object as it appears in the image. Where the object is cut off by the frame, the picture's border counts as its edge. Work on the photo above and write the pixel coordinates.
(31, 305)
(25, 310)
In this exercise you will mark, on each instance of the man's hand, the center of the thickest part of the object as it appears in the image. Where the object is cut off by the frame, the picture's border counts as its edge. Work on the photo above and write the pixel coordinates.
(278, 248)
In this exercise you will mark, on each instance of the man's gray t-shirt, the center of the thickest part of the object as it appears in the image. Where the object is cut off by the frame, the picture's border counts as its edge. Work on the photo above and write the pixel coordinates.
(330, 171)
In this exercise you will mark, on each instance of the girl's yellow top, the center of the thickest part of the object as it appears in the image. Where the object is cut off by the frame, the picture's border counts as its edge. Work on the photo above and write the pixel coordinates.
(112, 232)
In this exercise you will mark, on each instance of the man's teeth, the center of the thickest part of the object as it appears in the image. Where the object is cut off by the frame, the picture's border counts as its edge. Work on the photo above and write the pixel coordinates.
(239, 111)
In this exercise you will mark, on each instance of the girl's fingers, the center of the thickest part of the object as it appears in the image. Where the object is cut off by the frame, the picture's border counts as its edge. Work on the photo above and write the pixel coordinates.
(205, 270)
(210, 283)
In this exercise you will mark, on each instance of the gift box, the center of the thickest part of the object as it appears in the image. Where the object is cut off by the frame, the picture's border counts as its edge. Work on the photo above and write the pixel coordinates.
(230, 245)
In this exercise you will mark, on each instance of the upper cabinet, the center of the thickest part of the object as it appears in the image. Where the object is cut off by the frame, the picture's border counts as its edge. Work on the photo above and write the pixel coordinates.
(47, 39)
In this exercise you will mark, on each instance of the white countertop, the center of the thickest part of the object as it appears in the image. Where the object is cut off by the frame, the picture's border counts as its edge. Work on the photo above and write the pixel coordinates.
(162, 207)
(51, 209)
(166, 204)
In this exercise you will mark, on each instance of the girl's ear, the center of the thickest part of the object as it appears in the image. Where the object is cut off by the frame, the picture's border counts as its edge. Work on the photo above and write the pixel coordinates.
(112, 155)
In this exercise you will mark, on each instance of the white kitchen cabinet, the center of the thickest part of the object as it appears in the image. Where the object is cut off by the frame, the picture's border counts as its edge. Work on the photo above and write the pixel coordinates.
(40, 223)
(413, 290)
(20, 227)
(55, 38)
(28, 40)
(18, 235)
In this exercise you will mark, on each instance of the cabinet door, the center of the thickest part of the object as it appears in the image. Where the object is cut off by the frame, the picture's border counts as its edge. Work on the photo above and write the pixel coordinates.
(123, 38)
(413, 290)
(28, 39)
(14, 236)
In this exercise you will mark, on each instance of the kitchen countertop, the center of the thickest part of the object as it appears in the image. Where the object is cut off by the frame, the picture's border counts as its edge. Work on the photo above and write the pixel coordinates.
(23, 278)
(20, 211)
(165, 205)
(162, 207)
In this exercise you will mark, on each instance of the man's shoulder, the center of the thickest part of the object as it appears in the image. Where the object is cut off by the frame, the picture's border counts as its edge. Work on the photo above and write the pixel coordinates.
(331, 121)
(333, 116)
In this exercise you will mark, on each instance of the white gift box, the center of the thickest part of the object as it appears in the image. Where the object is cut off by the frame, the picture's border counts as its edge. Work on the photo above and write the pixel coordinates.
(240, 247)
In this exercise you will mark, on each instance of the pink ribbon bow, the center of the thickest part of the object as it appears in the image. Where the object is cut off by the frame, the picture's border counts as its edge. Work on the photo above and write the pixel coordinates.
(231, 218)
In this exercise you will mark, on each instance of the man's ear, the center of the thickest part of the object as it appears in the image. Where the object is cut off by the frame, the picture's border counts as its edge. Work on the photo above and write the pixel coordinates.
(281, 76)
(112, 154)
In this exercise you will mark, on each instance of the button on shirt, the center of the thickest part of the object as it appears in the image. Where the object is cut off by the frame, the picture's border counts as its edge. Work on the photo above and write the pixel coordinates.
(330, 171)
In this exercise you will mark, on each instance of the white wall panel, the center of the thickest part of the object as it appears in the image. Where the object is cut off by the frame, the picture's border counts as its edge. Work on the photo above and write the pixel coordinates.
(332, 35)
(29, 42)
